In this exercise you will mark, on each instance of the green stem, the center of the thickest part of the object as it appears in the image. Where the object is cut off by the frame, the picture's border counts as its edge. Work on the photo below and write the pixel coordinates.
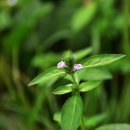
(74, 80)
(36, 109)
(82, 124)
(126, 41)
(77, 86)
(16, 75)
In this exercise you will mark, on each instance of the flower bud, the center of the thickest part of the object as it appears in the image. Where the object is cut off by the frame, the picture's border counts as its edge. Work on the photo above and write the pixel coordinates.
(78, 66)
(61, 64)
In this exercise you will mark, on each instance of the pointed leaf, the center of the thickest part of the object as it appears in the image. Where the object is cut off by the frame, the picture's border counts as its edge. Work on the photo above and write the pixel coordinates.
(82, 53)
(99, 60)
(83, 16)
(69, 77)
(49, 74)
(94, 74)
(63, 89)
(76, 78)
(57, 117)
(71, 113)
(95, 120)
(87, 86)
(115, 127)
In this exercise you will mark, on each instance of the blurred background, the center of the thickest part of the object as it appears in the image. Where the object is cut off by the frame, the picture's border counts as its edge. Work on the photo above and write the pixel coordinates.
(33, 36)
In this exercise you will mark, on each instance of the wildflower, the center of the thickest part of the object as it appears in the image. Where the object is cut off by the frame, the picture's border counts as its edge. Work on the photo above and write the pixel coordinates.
(61, 64)
(78, 66)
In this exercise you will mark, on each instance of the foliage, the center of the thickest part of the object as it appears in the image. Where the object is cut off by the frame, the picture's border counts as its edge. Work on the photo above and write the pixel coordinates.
(33, 36)
(73, 108)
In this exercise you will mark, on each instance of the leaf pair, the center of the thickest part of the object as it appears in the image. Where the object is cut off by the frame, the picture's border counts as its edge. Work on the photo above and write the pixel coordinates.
(93, 61)
(84, 87)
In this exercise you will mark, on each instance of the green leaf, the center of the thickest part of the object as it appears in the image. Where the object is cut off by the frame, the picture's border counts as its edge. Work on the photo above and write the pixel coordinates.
(71, 113)
(94, 74)
(24, 25)
(76, 78)
(87, 86)
(95, 120)
(62, 34)
(49, 74)
(115, 127)
(82, 53)
(5, 19)
(68, 77)
(57, 117)
(49, 58)
(63, 89)
(83, 16)
(99, 60)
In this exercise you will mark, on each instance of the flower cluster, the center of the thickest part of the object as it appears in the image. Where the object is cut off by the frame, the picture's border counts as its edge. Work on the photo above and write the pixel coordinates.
(62, 64)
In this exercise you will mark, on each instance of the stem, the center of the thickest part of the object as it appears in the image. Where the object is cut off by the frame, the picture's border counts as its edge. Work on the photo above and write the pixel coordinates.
(74, 80)
(77, 86)
(36, 109)
(82, 124)
(126, 41)
(16, 75)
